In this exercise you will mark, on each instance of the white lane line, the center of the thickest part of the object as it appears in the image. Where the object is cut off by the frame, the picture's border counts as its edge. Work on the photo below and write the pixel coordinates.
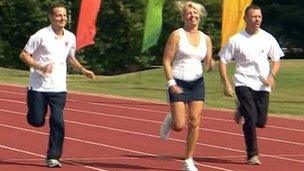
(156, 122)
(110, 147)
(40, 155)
(173, 139)
(154, 111)
(27, 159)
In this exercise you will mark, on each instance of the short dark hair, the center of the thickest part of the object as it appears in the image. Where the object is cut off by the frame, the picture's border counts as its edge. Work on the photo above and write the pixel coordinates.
(55, 5)
(252, 6)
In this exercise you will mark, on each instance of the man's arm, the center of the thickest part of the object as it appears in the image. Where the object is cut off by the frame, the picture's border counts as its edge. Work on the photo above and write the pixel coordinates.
(78, 67)
(27, 58)
(273, 73)
(224, 76)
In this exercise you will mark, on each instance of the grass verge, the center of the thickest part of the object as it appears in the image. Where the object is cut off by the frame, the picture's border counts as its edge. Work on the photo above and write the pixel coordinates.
(287, 98)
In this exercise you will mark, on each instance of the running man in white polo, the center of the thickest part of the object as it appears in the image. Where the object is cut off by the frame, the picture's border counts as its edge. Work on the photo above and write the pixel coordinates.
(253, 77)
(46, 54)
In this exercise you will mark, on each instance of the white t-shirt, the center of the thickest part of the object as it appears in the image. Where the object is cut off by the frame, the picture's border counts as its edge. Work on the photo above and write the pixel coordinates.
(46, 47)
(187, 64)
(250, 53)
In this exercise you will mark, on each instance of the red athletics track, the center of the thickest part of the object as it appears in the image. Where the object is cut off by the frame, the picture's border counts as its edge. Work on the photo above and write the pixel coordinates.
(113, 134)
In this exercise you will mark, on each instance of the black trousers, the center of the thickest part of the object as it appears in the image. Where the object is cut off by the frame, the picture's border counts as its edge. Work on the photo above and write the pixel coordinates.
(253, 106)
(38, 103)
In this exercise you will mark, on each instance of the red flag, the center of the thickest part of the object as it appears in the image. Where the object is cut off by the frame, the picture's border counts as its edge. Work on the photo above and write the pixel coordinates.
(86, 29)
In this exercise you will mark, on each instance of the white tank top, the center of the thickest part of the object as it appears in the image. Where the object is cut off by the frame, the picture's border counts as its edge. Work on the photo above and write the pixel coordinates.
(187, 64)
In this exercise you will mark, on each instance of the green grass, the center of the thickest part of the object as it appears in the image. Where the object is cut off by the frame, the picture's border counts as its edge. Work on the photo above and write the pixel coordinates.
(287, 98)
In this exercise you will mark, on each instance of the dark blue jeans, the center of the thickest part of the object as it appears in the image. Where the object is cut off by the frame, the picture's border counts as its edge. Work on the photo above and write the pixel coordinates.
(253, 106)
(38, 103)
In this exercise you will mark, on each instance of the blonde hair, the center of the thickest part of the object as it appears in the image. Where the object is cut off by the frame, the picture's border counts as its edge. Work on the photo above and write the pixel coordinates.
(182, 6)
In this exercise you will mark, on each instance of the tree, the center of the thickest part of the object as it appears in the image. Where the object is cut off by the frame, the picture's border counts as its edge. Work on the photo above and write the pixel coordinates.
(211, 25)
(118, 38)
(18, 21)
(285, 20)
(120, 30)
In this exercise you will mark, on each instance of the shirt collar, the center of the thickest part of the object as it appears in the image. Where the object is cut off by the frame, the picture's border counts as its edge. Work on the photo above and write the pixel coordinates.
(54, 34)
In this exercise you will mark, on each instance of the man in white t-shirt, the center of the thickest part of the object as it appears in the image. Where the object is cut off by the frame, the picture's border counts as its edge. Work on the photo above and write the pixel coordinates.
(254, 76)
(46, 54)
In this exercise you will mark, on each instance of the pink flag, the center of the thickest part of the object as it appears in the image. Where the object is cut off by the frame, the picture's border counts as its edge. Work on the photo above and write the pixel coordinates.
(86, 29)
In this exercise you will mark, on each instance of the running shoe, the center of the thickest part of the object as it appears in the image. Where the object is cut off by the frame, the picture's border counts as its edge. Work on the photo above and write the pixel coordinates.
(238, 118)
(189, 165)
(254, 160)
(166, 127)
(52, 163)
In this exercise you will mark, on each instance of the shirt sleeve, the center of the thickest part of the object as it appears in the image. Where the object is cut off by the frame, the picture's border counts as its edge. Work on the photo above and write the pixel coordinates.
(72, 51)
(227, 53)
(275, 52)
(32, 44)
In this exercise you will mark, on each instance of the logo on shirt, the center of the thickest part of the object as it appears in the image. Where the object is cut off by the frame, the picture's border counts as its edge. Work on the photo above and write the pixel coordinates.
(66, 44)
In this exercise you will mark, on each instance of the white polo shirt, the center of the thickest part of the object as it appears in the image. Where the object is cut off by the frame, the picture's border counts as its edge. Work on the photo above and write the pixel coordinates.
(186, 64)
(46, 47)
(251, 53)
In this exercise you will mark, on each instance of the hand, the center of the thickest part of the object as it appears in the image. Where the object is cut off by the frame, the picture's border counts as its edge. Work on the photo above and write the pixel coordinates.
(228, 90)
(269, 81)
(88, 74)
(264, 81)
(211, 65)
(176, 89)
(45, 69)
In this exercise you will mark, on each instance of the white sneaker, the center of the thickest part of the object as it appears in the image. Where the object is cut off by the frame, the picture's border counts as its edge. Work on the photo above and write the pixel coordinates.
(52, 163)
(238, 118)
(189, 165)
(254, 161)
(166, 127)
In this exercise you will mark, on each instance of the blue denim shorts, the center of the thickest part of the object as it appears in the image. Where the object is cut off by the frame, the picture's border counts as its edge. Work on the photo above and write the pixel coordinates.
(192, 91)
